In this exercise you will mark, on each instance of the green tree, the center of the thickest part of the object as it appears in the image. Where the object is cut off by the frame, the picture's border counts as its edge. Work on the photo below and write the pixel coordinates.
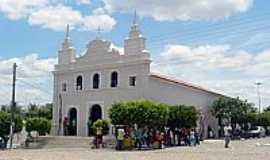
(182, 116)
(143, 113)
(267, 109)
(264, 119)
(5, 121)
(41, 125)
(32, 111)
(4, 108)
(232, 109)
(45, 111)
(119, 115)
(102, 123)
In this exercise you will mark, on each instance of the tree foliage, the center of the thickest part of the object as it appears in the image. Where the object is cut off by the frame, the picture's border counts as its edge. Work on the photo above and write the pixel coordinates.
(267, 109)
(182, 116)
(264, 119)
(151, 114)
(142, 113)
(41, 125)
(232, 109)
(102, 123)
(44, 111)
(5, 121)
(239, 111)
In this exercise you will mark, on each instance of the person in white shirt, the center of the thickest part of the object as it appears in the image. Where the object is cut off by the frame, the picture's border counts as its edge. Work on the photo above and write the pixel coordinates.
(120, 139)
(227, 133)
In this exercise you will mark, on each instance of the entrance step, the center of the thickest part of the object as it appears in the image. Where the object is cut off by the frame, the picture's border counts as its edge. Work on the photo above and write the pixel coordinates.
(48, 142)
(62, 142)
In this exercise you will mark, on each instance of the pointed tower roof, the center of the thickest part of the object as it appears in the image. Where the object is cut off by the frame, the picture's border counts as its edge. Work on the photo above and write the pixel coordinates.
(135, 18)
(67, 42)
(67, 31)
(67, 54)
(135, 31)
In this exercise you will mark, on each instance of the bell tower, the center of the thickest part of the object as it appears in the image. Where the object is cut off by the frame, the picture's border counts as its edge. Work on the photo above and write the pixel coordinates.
(67, 53)
(135, 43)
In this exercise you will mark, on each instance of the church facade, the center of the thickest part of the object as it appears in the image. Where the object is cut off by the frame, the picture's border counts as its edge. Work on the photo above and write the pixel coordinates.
(85, 87)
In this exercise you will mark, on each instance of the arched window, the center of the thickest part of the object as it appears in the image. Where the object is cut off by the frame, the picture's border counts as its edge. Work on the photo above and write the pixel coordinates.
(96, 81)
(79, 82)
(114, 79)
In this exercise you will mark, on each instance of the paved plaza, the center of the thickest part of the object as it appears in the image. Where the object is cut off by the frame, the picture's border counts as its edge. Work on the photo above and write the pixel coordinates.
(209, 150)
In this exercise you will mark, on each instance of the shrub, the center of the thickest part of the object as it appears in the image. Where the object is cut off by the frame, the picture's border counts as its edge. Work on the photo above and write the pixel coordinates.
(41, 125)
(102, 123)
(5, 119)
(143, 113)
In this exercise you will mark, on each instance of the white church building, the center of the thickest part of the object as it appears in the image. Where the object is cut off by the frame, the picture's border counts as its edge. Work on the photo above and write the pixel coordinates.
(85, 87)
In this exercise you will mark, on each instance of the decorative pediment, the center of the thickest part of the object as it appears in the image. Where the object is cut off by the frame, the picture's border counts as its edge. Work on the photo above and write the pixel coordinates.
(98, 47)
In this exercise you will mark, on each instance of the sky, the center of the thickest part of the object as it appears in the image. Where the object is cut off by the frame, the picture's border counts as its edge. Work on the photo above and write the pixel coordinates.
(221, 45)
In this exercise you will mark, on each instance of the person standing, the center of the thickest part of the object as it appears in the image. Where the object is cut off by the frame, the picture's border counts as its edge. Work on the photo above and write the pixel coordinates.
(66, 125)
(197, 138)
(120, 139)
(192, 138)
(99, 137)
(227, 134)
(138, 137)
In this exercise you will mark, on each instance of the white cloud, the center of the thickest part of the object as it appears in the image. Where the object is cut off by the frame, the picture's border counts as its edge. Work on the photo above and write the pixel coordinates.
(99, 11)
(56, 17)
(83, 2)
(213, 57)
(180, 9)
(105, 22)
(244, 88)
(34, 80)
(16, 9)
(218, 67)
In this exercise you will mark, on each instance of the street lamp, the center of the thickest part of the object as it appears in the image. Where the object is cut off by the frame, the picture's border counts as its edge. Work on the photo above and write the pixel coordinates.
(258, 84)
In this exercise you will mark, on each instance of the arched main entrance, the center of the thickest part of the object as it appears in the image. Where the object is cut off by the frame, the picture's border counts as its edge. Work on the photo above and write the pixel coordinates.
(72, 116)
(95, 113)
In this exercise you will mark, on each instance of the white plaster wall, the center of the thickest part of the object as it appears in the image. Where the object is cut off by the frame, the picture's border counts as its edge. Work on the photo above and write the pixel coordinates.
(171, 93)
(103, 96)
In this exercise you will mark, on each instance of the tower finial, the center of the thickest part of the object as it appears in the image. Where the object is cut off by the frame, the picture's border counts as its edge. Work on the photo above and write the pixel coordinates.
(99, 30)
(135, 17)
(67, 31)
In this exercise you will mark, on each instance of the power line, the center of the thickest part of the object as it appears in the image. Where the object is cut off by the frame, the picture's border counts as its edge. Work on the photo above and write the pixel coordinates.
(38, 98)
(209, 36)
(35, 87)
(39, 85)
(204, 36)
(216, 25)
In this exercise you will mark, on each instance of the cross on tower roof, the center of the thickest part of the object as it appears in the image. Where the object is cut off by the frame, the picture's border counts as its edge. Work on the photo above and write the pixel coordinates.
(135, 17)
(67, 31)
(99, 30)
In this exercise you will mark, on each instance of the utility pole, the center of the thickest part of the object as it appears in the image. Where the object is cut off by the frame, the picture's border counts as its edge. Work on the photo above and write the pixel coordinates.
(13, 105)
(258, 84)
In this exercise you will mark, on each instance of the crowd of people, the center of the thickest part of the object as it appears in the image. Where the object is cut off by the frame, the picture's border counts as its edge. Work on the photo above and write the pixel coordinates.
(152, 138)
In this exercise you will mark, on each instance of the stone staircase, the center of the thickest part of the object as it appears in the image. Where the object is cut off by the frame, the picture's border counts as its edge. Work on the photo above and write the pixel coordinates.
(48, 142)
(62, 142)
